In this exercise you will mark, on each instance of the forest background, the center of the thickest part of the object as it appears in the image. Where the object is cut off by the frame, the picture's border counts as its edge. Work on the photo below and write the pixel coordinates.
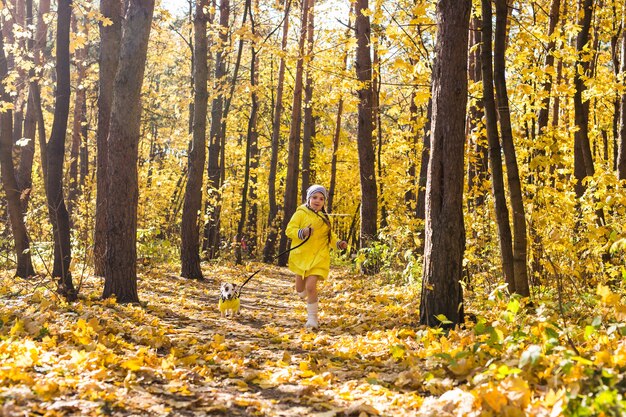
(272, 97)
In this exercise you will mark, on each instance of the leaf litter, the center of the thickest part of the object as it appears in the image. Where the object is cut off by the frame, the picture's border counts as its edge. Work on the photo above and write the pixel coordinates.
(174, 355)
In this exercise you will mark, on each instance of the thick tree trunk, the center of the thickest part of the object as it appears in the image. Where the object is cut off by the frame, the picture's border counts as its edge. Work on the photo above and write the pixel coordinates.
(110, 38)
(291, 184)
(214, 171)
(57, 210)
(308, 129)
(9, 183)
(123, 141)
(273, 222)
(367, 159)
(520, 271)
(442, 295)
(495, 152)
(190, 229)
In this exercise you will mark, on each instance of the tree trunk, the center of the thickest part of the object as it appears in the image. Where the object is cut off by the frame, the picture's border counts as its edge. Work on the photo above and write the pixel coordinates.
(495, 158)
(442, 295)
(520, 271)
(57, 210)
(420, 210)
(478, 167)
(123, 141)
(273, 222)
(110, 38)
(214, 171)
(190, 231)
(9, 183)
(25, 168)
(80, 118)
(367, 161)
(542, 117)
(309, 124)
(251, 143)
(291, 185)
(378, 126)
(583, 162)
(621, 155)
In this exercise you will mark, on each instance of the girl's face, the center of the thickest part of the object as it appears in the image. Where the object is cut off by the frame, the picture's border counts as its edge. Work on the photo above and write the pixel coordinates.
(316, 202)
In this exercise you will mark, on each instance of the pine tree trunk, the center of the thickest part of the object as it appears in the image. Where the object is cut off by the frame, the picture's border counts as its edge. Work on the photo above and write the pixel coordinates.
(110, 38)
(123, 141)
(367, 159)
(442, 294)
(9, 183)
(190, 231)
(273, 222)
(57, 210)
(291, 182)
(495, 158)
(520, 271)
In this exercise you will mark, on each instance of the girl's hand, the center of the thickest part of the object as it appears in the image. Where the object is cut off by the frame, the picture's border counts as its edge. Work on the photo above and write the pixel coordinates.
(342, 244)
(304, 233)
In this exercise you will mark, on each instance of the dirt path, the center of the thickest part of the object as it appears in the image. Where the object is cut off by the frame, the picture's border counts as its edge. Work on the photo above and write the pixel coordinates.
(264, 362)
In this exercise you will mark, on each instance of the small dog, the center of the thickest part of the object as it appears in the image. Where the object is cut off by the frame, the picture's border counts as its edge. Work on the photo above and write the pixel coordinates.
(229, 299)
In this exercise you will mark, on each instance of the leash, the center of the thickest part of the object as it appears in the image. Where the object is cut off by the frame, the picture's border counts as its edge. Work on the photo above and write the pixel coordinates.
(273, 257)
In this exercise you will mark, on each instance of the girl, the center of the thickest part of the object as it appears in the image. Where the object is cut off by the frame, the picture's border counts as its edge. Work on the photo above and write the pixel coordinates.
(310, 261)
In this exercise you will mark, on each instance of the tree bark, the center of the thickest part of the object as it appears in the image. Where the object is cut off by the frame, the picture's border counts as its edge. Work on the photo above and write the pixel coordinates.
(420, 210)
(123, 142)
(190, 229)
(24, 267)
(442, 294)
(110, 38)
(520, 241)
(57, 210)
(363, 64)
(273, 222)
(291, 182)
(495, 158)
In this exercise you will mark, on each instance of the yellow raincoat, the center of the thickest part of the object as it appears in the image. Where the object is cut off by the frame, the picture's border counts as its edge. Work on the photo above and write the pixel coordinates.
(312, 258)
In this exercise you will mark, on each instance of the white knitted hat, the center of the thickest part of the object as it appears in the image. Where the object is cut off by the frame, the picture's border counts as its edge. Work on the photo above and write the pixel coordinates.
(316, 188)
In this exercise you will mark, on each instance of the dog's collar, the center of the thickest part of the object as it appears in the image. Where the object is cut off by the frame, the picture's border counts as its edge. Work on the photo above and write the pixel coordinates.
(234, 297)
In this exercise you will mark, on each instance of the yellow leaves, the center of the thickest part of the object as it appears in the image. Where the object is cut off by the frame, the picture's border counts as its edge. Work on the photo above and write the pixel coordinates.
(46, 389)
(607, 296)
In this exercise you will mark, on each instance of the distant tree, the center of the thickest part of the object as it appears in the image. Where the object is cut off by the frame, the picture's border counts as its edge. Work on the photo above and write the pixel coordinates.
(505, 238)
(308, 127)
(190, 229)
(7, 174)
(214, 169)
(515, 188)
(273, 222)
(110, 38)
(123, 142)
(442, 294)
(293, 157)
(57, 211)
(621, 157)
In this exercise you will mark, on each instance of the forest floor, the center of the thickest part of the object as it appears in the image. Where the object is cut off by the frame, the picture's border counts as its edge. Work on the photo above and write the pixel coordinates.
(174, 355)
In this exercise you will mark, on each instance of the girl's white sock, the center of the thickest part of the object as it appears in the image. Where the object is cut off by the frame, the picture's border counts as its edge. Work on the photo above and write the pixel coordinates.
(311, 309)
